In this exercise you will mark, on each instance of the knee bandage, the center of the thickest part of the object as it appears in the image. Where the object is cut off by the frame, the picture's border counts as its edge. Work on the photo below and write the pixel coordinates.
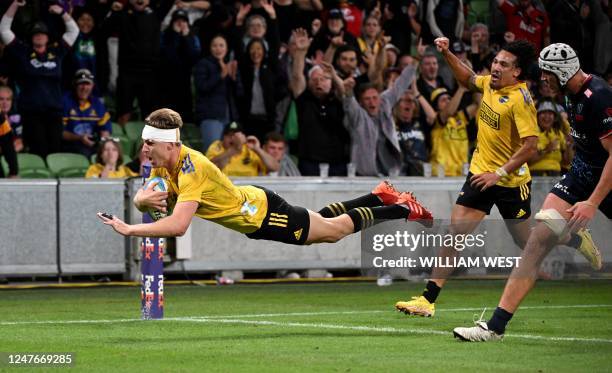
(553, 220)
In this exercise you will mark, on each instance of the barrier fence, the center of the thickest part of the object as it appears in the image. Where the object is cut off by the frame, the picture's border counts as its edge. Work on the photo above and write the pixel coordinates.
(50, 228)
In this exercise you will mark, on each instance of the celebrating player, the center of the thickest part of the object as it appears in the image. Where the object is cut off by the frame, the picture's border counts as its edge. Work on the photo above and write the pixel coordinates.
(573, 201)
(198, 187)
(498, 174)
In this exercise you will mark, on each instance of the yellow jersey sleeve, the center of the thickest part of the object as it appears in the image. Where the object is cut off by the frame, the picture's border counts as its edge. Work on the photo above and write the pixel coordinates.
(525, 116)
(214, 149)
(191, 180)
(481, 81)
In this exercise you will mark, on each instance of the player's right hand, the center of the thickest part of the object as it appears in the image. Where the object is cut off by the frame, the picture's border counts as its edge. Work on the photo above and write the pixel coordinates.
(442, 44)
(147, 197)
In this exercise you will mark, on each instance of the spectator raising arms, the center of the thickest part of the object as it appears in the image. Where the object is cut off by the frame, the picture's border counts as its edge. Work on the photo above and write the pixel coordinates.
(322, 137)
(218, 86)
(109, 162)
(38, 68)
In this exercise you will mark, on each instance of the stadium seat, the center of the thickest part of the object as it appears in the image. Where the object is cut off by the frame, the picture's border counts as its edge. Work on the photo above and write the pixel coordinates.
(68, 164)
(190, 131)
(31, 166)
(133, 130)
(118, 130)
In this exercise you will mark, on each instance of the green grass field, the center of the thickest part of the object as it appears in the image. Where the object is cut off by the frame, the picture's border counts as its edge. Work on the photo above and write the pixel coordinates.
(324, 327)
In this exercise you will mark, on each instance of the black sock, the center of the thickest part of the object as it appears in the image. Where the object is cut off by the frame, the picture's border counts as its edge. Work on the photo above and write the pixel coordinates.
(339, 208)
(575, 241)
(431, 292)
(365, 217)
(499, 320)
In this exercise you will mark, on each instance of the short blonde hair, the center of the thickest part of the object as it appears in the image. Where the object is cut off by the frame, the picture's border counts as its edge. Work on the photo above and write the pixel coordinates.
(164, 119)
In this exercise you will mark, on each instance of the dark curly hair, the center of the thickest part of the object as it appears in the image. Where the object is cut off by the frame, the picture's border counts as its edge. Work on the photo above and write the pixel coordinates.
(524, 52)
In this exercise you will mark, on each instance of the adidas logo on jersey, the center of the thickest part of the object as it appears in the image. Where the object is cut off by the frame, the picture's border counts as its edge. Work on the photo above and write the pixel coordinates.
(520, 213)
(298, 234)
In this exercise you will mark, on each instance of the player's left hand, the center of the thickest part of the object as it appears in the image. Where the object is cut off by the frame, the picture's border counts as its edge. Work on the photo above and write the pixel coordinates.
(582, 213)
(484, 181)
(118, 225)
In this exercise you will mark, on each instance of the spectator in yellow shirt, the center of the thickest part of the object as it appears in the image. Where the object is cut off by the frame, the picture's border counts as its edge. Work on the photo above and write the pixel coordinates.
(109, 162)
(552, 146)
(239, 155)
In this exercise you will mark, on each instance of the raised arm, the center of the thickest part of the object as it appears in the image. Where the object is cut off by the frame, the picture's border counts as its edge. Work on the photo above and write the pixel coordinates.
(72, 30)
(464, 75)
(271, 164)
(453, 105)
(297, 82)
(6, 34)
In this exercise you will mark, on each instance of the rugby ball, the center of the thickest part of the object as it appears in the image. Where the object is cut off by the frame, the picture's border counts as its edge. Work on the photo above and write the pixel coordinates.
(162, 186)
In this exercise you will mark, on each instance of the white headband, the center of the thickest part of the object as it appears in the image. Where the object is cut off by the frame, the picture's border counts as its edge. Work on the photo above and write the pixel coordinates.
(161, 135)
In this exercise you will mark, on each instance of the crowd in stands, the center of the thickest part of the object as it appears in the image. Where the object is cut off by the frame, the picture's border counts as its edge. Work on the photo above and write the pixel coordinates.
(336, 85)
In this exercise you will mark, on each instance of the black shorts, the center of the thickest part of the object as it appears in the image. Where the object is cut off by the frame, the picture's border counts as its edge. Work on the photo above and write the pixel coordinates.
(283, 222)
(512, 203)
(573, 189)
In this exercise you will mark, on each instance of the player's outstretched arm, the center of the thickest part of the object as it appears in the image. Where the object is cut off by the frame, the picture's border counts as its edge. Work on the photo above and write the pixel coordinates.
(171, 226)
(464, 75)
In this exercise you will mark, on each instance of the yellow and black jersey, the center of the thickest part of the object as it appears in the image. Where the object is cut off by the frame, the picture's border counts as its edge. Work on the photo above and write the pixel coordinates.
(450, 144)
(504, 118)
(550, 161)
(196, 178)
(246, 163)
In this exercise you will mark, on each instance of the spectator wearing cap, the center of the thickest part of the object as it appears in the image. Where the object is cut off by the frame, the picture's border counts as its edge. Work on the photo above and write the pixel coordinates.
(7, 146)
(526, 21)
(180, 50)
(553, 148)
(393, 54)
(334, 26)
(322, 137)
(276, 146)
(445, 18)
(86, 119)
(449, 134)
(138, 28)
(239, 155)
(38, 68)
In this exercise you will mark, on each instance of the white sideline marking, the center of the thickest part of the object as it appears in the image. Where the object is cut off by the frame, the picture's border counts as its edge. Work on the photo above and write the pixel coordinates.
(47, 322)
(237, 319)
(380, 329)
(385, 311)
